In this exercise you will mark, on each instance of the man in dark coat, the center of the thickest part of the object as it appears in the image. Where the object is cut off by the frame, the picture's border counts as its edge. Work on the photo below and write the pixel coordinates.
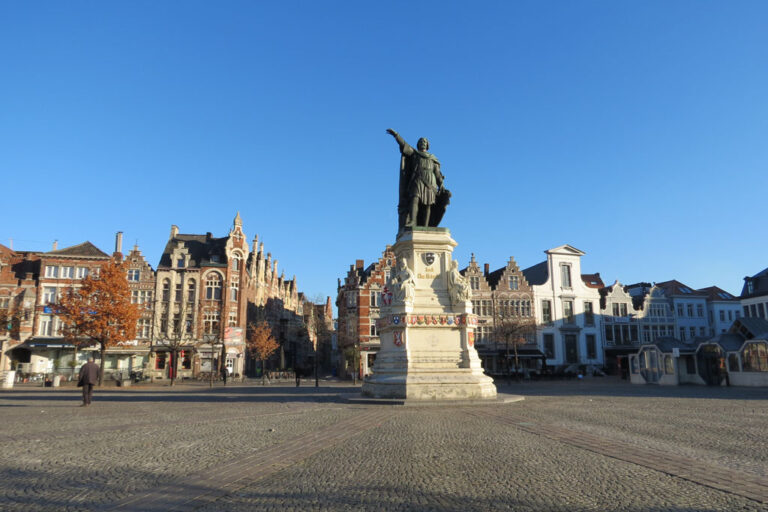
(89, 377)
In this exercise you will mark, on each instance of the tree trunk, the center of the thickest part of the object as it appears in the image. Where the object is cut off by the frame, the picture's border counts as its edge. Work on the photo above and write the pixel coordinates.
(172, 368)
(74, 360)
(103, 360)
(263, 373)
(517, 364)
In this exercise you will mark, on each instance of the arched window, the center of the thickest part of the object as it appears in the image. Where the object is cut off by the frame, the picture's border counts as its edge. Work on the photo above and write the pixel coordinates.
(191, 291)
(213, 287)
(236, 262)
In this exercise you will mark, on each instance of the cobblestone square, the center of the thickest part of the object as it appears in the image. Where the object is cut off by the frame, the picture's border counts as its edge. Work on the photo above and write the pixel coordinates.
(598, 444)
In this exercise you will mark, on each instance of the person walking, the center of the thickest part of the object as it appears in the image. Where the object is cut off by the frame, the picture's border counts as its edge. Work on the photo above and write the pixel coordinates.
(224, 373)
(89, 377)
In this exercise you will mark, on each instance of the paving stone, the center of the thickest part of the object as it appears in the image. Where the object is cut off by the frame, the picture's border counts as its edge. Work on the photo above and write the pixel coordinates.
(600, 445)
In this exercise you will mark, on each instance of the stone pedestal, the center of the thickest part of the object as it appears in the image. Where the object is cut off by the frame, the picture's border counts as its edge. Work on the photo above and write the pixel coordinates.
(427, 334)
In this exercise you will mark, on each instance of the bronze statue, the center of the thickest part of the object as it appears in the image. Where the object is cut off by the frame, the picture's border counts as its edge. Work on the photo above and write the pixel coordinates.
(423, 198)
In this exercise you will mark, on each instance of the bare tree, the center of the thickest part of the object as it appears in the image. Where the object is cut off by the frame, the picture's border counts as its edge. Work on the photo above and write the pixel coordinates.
(178, 334)
(513, 331)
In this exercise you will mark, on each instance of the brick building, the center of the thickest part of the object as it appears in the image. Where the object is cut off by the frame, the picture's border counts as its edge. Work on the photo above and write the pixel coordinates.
(200, 305)
(58, 271)
(133, 355)
(18, 296)
(358, 300)
(203, 294)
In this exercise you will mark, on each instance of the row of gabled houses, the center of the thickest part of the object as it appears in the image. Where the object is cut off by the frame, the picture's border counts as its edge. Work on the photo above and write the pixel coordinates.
(562, 319)
(201, 297)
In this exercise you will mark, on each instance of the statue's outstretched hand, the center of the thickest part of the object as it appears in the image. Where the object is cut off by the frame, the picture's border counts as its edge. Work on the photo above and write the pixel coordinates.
(392, 132)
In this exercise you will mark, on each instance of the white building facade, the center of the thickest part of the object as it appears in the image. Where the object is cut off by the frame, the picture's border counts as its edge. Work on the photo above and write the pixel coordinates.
(567, 306)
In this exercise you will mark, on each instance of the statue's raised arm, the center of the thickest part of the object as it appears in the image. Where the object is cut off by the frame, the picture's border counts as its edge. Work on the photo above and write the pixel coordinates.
(405, 148)
(421, 185)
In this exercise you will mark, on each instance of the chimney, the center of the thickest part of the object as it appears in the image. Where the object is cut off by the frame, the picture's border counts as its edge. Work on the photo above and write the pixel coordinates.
(119, 242)
(174, 230)
(487, 268)
(55, 245)
(359, 264)
(208, 235)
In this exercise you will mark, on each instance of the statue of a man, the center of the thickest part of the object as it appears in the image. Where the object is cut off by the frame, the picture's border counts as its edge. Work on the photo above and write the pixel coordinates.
(422, 198)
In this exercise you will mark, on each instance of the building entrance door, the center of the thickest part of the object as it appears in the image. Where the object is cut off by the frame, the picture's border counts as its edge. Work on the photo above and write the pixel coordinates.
(571, 349)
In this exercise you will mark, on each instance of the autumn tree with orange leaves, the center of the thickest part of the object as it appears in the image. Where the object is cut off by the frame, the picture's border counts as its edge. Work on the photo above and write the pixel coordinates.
(100, 309)
(261, 344)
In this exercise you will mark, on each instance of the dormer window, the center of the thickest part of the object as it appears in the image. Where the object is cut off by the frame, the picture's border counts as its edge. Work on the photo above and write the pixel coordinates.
(236, 263)
(514, 283)
(474, 283)
(215, 258)
(180, 262)
(750, 287)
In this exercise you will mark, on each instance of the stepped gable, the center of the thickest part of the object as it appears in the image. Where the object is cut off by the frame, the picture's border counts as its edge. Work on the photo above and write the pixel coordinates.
(497, 276)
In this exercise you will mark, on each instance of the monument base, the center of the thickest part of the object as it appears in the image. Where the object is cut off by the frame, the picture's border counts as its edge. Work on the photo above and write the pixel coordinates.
(427, 335)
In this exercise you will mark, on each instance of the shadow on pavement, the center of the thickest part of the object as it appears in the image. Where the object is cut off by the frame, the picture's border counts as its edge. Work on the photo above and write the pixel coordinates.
(89, 490)
(233, 394)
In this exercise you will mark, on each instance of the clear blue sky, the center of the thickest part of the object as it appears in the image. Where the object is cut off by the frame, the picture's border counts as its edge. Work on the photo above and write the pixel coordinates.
(634, 131)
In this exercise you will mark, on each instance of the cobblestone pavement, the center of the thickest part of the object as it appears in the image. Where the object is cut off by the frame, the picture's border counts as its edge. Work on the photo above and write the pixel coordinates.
(599, 444)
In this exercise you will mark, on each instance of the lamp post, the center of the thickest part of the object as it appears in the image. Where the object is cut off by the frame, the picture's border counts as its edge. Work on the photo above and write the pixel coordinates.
(317, 343)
